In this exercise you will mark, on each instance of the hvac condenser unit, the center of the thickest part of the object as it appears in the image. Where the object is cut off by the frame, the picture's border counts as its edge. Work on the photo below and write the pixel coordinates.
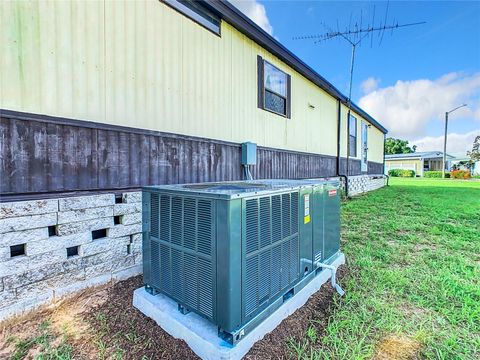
(233, 252)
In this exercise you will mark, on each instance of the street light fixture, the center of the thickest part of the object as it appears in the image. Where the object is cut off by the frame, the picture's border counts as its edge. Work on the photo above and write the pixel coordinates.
(445, 138)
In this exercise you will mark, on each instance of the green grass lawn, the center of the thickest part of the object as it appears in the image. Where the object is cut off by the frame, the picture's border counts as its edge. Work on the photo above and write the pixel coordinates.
(413, 279)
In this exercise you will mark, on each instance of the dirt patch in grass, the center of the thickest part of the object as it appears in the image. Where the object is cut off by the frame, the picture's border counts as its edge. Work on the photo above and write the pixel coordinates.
(397, 347)
(101, 323)
(414, 312)
(424, 246)
(57, 330)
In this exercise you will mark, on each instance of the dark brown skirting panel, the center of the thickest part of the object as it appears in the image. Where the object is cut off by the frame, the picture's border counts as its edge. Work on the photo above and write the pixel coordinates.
(375, 168)
(43, 156)
(355, 167)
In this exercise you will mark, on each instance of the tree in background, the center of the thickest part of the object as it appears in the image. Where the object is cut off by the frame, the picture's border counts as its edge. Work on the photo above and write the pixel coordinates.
(475, 153)
(398, 146)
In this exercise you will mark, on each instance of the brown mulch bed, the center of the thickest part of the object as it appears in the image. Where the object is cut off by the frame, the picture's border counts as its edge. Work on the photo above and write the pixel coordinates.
(102, 324)
(116, 318)
(124, 319)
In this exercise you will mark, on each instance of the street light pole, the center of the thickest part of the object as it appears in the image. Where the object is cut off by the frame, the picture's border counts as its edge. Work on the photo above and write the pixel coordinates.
(445, 145)
(445, 138)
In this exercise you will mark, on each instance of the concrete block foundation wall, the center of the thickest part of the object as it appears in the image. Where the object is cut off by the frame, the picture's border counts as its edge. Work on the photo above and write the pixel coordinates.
(54, 247)
(360, 184)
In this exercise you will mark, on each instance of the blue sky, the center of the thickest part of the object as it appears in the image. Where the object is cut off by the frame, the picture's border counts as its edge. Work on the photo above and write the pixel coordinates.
(408, 80)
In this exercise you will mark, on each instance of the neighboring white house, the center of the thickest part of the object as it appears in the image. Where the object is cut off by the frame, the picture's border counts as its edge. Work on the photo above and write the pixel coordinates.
(460, 163)
(418, 161)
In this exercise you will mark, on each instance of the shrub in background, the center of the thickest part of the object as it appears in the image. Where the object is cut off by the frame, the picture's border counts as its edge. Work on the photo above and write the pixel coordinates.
(460, 174)
(435, 174)
(401, 173)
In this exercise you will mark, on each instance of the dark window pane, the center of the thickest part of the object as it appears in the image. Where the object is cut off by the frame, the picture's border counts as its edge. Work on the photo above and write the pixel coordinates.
(274, 102)
(352, 146)
(275, 80)
(353, 125)
(196, 11)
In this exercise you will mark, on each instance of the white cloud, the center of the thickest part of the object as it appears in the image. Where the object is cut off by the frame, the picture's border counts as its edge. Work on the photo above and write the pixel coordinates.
(369, 85)
(407, 107)
(457, 144)
(477, 114)
(255, 11)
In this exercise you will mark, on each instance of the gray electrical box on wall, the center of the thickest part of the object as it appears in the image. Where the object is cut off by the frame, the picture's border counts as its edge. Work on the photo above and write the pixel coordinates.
(249, 153)
(233, 252)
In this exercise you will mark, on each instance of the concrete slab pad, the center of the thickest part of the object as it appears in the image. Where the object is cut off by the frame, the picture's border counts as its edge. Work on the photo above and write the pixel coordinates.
(202, 336)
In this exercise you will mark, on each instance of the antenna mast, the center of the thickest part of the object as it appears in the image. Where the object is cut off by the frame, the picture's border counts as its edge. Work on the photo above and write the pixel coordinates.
(354, 35)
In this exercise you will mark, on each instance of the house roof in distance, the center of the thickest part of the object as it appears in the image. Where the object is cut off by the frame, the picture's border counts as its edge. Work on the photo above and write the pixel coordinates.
(418, 155)
(242, 23)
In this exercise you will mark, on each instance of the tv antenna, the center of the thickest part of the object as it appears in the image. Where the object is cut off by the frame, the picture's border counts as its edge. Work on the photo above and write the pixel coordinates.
(355, 34)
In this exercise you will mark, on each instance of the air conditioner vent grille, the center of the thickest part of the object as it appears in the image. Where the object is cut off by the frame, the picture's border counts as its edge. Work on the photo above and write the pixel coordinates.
(265, 222)
(181, 260)
(165, 266)
(177, 220)
(276, 218)
(165, 218)
(272, 248)
(189, 226)
(154, 212)
(252, 225)
(204, 226)
(294, 216)
(205, 286)
(155, 261)
(286, 213)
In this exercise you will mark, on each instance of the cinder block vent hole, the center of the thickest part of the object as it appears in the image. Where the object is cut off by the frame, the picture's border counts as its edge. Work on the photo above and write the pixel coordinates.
(98, 234)
(52, 230)
(129, 249)
(118, 199)
(117, 220)
(17, 250)
(131, 239)
(72, 251)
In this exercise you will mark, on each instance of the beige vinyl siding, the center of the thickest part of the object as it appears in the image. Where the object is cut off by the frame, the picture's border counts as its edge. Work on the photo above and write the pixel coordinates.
(142, 64)
(375, 138)
(375, 145)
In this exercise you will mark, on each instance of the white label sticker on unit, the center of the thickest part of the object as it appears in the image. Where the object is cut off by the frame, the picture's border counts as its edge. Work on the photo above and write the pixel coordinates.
(307, 204)
(306, 217)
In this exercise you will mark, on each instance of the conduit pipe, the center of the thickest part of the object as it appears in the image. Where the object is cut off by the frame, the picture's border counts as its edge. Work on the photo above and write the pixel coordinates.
(333, 278)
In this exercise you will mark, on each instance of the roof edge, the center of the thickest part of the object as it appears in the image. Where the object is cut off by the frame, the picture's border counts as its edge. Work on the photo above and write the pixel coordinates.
(245, 25)
(420, 155)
